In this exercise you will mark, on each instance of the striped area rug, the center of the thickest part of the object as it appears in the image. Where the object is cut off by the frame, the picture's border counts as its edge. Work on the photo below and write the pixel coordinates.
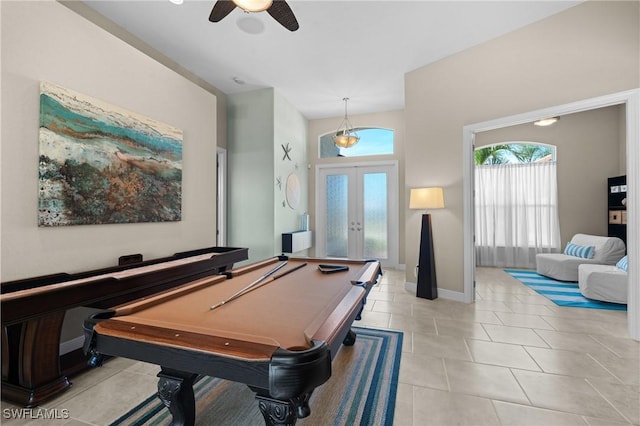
(361, 391)
(561, 293)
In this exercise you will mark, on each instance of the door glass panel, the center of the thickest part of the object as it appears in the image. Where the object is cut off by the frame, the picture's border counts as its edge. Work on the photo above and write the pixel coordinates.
(337, 219)
(375, 216)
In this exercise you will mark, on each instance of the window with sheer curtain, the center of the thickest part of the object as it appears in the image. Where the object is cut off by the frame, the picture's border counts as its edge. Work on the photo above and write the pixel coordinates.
(516, 213)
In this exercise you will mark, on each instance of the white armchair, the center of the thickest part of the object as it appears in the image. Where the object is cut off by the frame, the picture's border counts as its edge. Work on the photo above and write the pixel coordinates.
(607, 283)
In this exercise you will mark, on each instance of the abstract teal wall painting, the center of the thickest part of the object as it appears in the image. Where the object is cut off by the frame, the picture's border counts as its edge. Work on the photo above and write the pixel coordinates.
(102, 164)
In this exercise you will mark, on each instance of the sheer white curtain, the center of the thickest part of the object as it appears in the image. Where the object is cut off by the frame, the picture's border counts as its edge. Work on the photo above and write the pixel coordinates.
(516, 213)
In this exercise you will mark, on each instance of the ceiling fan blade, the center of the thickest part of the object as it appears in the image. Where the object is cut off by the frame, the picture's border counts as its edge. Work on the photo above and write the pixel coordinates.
(281, 12)
(221, 9)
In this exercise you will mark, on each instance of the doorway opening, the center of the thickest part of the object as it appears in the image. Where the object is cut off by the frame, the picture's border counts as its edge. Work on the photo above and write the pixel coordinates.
(631, 100)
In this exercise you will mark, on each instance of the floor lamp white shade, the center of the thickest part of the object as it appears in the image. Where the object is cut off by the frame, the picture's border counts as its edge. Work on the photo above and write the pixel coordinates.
(426, 198)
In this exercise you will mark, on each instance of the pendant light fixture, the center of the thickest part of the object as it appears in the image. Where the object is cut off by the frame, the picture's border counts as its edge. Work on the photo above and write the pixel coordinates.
(345, 136)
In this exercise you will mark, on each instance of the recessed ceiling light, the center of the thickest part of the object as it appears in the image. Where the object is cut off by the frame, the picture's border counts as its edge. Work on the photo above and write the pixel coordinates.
(176, 1)
(546, 121)
(237, 80)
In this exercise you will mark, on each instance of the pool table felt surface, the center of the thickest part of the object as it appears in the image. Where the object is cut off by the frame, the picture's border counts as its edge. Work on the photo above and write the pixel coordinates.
(288, 312)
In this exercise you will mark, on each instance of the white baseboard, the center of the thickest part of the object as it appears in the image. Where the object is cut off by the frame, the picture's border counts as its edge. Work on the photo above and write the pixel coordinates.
(396, 267)
(442, 292)
(451, 295)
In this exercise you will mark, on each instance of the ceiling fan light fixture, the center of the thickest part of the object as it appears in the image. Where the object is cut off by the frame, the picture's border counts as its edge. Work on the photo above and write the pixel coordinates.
(279, 10)
(345, 136)
(253, 5)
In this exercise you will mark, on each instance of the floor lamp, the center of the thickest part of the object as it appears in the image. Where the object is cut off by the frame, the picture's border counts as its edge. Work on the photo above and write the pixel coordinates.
(425, 199)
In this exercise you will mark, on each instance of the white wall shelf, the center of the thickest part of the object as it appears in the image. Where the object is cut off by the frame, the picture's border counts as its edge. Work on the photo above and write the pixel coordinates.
(296, 241)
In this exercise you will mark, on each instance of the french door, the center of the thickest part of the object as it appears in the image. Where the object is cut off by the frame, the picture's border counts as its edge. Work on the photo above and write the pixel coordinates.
(357, 212)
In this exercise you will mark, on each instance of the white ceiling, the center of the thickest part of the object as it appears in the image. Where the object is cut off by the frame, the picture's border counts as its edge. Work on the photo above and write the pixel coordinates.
(358, 49)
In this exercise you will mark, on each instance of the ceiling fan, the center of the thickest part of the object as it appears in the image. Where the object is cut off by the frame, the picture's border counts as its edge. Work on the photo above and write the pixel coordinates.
(278, 9)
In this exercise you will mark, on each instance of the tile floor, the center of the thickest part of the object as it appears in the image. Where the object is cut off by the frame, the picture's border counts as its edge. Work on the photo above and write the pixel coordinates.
(511, 358)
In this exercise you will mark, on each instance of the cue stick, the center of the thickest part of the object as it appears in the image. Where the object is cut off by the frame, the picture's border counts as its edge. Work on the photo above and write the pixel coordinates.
(242, 291)
(295, 268)
(260, 283)
(275, 277)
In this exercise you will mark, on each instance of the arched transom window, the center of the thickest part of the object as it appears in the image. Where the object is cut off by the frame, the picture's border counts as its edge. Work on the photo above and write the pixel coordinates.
(373, 141)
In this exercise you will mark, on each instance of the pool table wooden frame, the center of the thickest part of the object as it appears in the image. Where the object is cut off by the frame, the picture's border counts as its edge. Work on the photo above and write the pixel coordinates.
(283, 378)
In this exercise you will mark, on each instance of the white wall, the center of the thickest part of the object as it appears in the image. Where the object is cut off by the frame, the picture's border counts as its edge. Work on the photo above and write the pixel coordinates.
(250, 214)
(586, 51)
(622, 132)
(44, 40)
(259, 123)
(290, 127)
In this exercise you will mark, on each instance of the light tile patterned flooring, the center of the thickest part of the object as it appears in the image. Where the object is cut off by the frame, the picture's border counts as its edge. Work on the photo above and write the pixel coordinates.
(511, 358)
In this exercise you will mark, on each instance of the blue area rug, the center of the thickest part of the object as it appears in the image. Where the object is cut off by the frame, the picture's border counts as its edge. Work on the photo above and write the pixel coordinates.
(361, 391)
(561, 293)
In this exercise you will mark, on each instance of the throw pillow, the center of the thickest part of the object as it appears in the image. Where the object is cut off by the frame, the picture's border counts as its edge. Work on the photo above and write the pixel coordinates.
(576, 250)
(623, 264)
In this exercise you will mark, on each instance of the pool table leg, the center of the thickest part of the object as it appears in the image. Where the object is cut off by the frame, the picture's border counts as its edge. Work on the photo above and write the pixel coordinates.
(175, 390)
(277, 412)
(359, 316)
(350, 338)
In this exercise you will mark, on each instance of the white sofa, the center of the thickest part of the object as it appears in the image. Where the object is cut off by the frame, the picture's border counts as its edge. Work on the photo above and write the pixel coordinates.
(607, 283)
(559, 266)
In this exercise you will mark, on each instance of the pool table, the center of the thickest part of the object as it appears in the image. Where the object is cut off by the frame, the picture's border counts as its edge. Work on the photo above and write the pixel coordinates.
(279, 337)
